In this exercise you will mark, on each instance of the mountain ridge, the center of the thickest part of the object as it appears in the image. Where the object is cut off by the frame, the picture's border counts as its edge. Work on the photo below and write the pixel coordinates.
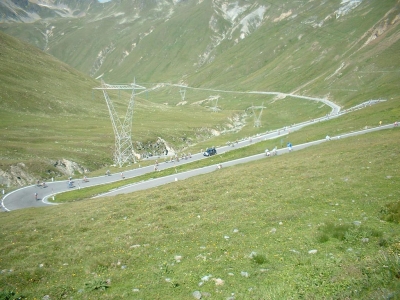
(224, 25)
(30, 11)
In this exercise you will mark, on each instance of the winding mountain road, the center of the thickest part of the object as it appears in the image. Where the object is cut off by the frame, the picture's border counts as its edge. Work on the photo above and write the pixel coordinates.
(25, 197)
(184, 175)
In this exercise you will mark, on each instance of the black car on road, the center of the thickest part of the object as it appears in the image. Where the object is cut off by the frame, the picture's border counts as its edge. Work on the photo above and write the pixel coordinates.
(210, 151)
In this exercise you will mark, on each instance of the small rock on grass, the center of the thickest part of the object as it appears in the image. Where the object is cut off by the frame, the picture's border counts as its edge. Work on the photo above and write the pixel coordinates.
(196, 295)
(206, 278)
(245, 274)
(219, 281)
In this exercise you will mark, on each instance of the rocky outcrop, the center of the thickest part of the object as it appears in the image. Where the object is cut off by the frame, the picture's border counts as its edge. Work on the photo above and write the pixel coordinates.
(101, 57)
(17, 175)
(21, 175)
(31, 11)
(151, 148)
(69, 168)
(231, 21)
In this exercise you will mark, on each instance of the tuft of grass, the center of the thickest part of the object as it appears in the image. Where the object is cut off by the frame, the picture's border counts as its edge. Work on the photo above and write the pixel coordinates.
(390, 262)
(259, 259)
(97, 285)
(391, 212)
(336, 231)
(346, 232)
(10, 295)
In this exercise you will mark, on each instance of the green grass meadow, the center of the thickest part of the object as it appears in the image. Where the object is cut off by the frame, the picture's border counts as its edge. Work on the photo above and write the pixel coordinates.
(246, 232)
(320, 223)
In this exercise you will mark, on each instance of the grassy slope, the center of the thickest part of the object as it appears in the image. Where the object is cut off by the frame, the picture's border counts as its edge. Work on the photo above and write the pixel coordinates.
(290, 56)
(317, 193)
(311, 198)
(47, 108)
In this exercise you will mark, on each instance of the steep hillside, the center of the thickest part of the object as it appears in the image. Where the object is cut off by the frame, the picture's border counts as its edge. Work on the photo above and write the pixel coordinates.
(46, 105)
(339, 49)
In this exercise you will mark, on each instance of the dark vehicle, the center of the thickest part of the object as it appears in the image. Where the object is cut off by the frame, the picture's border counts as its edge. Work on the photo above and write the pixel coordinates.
(210, 151)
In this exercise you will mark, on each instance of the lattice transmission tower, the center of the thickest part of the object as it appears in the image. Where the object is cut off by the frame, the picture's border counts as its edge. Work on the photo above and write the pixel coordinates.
(214, 101)
(257, 117)
(182, 91)
(123, 151)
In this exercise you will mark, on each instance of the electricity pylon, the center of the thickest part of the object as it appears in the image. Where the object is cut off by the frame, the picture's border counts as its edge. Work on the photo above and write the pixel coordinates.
(123, 151)
(183, 92)
(257, 117)
(214, 100)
